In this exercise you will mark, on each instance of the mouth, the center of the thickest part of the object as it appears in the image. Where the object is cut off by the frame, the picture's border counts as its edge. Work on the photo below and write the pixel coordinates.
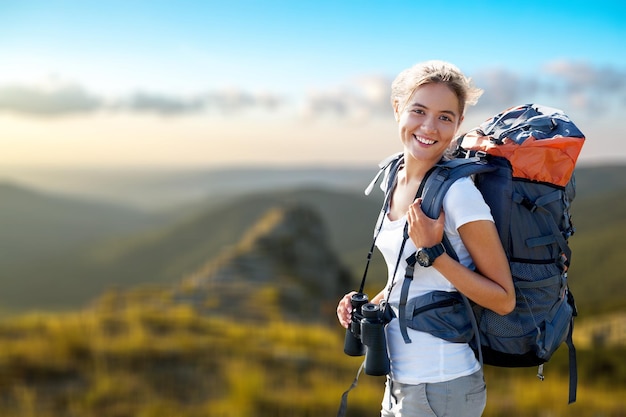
(424, 140)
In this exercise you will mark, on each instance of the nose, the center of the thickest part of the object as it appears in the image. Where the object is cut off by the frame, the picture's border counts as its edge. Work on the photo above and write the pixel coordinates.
(429, 124)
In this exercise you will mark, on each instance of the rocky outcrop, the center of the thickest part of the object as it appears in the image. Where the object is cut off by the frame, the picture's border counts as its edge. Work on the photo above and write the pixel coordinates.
(284, 266)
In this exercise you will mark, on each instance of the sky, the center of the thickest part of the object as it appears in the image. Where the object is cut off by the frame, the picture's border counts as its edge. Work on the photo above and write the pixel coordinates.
(187, 84)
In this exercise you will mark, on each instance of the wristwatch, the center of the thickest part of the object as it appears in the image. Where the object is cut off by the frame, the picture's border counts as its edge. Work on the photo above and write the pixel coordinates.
(426, 256)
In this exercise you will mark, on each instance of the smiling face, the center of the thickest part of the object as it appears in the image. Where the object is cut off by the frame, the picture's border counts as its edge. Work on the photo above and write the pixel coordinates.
(429, 121)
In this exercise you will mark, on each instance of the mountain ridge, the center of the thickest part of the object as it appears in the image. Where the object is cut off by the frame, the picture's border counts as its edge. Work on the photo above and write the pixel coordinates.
(175, 246)
(285, 253)
(174, 189)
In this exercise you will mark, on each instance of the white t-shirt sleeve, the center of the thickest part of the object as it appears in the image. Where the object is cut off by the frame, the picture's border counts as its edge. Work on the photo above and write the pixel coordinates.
(462, 204)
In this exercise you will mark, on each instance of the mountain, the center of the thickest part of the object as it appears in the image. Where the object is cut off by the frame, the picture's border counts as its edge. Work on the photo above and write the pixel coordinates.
(116, 246)
(169, 252)
(175, 189)
(43, 223)
(179, 189)
(43, 238)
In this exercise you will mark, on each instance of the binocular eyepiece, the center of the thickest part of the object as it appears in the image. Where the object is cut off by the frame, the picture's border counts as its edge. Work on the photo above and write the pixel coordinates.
(366, 335)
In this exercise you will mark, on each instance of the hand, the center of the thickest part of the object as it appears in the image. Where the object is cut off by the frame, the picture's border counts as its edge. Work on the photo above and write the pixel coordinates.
(424, 231)
(344, 310)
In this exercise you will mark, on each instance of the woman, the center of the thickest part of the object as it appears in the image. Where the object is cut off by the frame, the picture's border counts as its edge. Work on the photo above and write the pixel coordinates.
(430, 376)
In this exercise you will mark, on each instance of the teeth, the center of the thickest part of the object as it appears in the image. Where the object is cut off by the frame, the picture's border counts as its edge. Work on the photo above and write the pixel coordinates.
(424, 141)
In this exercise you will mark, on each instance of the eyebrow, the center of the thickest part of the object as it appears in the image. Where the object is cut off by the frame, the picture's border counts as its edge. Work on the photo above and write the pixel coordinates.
(450, 112)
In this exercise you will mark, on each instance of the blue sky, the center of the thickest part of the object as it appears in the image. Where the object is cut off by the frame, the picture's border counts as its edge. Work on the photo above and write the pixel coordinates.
(188, 83)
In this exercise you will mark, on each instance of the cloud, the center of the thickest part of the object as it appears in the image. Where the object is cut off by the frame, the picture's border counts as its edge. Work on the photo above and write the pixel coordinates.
(565, 84)
(359, 99)
(235, 101)
(581, 75)
(62, 99)
(579, 86)
(501, 87)
(588, 88)
(570, 85)
(51, 100)
(162, 104)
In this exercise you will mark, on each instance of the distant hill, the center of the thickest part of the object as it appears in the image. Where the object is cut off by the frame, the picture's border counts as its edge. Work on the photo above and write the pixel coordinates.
(597, 275)
(37, 221)
(36, 226)
(180, 248)
(70, 250)
(599, 179)
(70, 270)
(175, 189)
(43, 237)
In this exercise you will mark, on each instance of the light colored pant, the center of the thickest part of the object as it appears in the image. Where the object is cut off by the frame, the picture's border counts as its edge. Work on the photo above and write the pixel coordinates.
(465, 396)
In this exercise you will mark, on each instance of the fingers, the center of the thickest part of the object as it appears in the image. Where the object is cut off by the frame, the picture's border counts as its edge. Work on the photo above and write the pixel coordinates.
(344, 310)
(423, 230)
(416, 209)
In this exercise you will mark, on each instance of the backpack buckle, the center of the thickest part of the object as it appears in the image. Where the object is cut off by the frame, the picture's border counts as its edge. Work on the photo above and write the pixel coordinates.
(540, 372)
(530, 205)
(563, 262)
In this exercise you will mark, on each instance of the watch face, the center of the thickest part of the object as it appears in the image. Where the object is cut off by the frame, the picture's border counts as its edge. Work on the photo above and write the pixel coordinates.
(423, 258)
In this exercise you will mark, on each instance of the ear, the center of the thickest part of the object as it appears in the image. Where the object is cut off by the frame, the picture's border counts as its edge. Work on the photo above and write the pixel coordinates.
(396, 110)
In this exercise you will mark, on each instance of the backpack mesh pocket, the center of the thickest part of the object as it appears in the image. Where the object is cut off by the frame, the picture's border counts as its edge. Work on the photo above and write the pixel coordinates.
(537, 291)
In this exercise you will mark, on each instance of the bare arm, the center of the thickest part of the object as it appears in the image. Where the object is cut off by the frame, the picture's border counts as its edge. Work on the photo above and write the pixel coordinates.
(491, 285)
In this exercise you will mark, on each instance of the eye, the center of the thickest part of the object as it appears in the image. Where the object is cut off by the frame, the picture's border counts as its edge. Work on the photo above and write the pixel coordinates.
(418, 111)
(445, 118)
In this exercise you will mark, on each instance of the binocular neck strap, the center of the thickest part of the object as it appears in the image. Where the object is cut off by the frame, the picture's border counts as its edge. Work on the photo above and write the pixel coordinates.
(394, 166)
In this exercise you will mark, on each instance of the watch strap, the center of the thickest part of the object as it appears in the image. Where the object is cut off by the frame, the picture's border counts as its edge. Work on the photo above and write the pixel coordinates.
(431, 253)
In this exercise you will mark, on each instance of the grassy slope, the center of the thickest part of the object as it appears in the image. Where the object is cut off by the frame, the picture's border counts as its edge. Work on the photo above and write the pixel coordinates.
(138, 356)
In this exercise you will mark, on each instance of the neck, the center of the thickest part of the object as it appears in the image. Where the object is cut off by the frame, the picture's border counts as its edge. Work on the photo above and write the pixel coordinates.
(415, 169)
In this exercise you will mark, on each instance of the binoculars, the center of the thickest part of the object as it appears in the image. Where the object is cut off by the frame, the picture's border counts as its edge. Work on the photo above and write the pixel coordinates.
(366, 335)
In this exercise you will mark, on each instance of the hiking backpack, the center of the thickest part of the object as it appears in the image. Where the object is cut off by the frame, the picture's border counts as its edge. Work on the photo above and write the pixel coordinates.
(522, 161)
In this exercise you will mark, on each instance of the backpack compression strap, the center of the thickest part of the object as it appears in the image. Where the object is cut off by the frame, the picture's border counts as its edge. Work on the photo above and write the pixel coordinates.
(538, 207)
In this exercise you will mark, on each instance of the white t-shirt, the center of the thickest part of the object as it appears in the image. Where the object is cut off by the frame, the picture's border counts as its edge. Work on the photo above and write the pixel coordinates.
(428, 358)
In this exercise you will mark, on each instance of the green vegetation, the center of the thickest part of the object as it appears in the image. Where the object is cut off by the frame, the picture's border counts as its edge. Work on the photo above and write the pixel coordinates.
(145, 353)
(140, 354)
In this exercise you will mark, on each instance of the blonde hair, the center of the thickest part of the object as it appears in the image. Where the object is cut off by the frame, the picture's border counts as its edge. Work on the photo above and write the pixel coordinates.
(430, 72)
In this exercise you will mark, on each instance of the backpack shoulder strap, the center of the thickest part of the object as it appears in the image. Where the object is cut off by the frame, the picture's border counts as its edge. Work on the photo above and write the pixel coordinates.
(435, 188)
(387, 166)
(444, 175)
